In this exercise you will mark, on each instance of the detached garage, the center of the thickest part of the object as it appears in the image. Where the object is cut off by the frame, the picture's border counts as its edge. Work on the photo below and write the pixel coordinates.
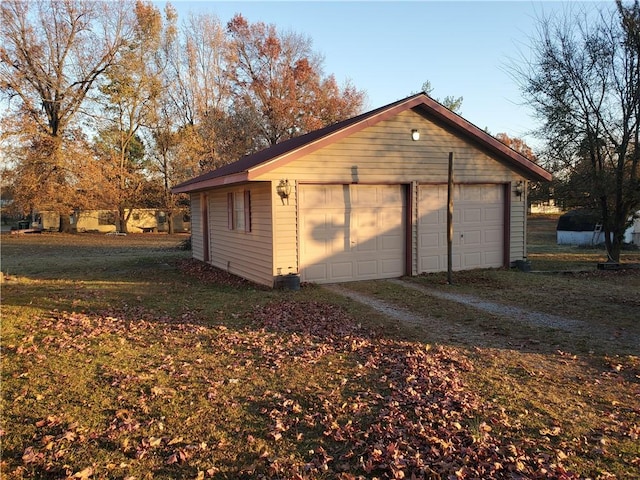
(365, 199)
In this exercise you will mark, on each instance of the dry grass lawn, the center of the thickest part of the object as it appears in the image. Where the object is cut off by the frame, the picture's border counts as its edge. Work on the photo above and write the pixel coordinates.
(121, 358)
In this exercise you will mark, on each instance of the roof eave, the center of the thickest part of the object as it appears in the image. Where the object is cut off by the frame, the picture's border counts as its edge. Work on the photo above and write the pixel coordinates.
(429, 106)
(332, 137)
(529, 169)
(211, 183)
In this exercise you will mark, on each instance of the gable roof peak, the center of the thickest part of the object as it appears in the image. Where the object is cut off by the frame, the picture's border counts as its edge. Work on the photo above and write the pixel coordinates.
(242, 169)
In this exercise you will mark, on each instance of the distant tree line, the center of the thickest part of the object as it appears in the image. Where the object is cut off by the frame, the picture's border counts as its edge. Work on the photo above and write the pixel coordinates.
(108, 104)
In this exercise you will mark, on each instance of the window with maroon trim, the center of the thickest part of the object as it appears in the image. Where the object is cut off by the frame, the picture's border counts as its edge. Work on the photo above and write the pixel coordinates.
(239, 211)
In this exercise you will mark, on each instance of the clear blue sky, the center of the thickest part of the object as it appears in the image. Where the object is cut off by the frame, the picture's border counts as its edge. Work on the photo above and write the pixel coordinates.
(389, 49)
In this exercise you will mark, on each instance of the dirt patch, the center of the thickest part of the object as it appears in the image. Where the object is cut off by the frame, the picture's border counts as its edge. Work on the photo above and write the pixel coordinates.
(209, 274)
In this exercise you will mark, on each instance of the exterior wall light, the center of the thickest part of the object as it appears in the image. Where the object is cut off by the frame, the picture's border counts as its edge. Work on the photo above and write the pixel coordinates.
(283, 189)
(519, 190)
(415, 135)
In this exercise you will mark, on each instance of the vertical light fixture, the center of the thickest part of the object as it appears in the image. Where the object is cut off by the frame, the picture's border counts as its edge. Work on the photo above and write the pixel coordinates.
(415, 135)
(283, 189)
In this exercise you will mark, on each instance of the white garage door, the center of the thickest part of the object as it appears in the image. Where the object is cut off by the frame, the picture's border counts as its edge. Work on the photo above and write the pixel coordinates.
(478, 227)
(351, 232)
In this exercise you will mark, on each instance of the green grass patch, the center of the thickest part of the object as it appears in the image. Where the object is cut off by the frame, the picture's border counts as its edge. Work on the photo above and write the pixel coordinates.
(123, 359)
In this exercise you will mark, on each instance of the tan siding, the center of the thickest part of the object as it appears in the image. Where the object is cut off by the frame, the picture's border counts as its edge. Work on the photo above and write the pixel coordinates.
(518, 249)
(414, 227)
(247, 254)
(380, 154)
(385, 153)
(196, 228)
(285, 215)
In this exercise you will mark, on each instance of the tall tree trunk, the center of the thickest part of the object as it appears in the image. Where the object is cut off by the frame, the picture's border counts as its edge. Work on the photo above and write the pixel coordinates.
(170, 220)
(123, 218)
(65, 223)
(609, 236)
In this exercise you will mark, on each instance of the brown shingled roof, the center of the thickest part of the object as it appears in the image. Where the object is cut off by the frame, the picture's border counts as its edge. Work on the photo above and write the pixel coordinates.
(243, 169)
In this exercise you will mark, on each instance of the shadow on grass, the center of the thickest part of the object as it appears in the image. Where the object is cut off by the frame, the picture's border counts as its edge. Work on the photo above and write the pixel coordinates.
(249, 382)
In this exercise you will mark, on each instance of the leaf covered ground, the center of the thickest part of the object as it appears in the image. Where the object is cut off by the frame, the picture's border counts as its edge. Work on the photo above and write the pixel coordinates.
(390, 409)
(157, 366)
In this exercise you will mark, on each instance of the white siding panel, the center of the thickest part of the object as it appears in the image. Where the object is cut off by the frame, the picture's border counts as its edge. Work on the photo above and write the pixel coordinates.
(196, 228)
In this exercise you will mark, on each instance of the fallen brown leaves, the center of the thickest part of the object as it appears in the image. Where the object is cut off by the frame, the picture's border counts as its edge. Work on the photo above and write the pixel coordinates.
(209, 274)
(414, 419)
(383, 409)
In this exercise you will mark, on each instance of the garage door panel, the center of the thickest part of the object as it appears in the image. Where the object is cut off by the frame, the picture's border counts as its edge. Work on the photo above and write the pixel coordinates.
(388, 218)
(315, 197)
(391, 267)
(431, 218)
(317, 229)
(472, 237)
(363, 236)
(471, 193)
(472, 215)
(493, 236)
(431, 264)
(389, 243)
(335, 221)
(365, 220)
(473, 260)
(316, 272)
(367, 246)
(341, 270)
(493, 215)
(365, 196)
(478, 224)
(390, 197)
(367, 268)
(430, 239)
(493, 257)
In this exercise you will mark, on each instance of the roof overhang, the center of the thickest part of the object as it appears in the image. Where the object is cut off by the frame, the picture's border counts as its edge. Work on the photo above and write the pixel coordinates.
(333, 137)
(529, 169)
(250, 168)
(206, 184)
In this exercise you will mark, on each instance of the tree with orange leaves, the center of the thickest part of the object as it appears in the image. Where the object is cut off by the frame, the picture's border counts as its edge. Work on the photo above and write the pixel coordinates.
(51, 56)
(278, 80)
(518, 145)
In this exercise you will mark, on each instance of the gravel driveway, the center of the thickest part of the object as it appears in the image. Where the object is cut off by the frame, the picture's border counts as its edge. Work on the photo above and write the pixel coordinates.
(566, 331)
